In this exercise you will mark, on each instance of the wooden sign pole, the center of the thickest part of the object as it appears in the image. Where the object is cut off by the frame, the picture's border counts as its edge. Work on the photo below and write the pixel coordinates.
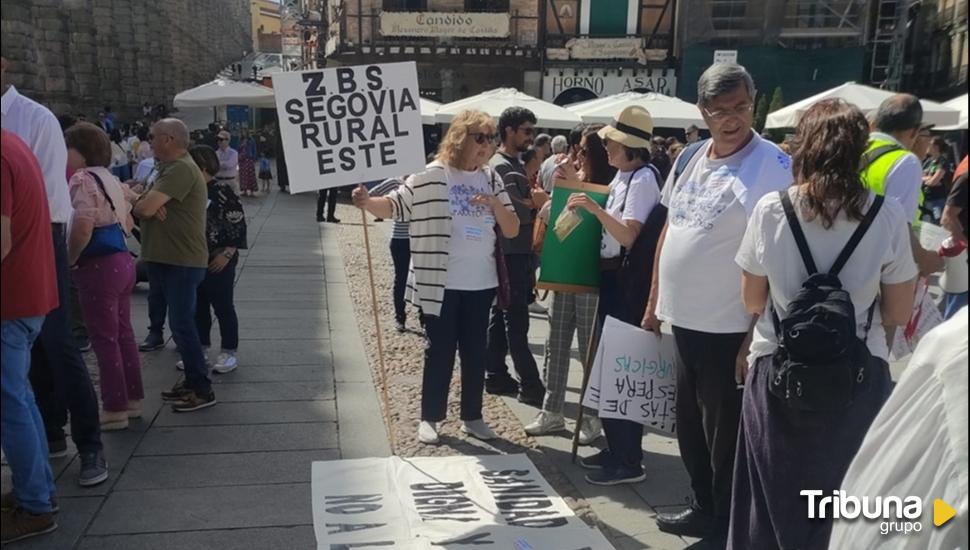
(587, 368)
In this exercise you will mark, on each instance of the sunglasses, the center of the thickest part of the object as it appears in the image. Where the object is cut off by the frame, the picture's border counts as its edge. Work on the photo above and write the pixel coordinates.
(223, 139)
(481, 138)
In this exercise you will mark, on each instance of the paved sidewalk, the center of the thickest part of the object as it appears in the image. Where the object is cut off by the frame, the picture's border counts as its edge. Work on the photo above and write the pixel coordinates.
(237, 476)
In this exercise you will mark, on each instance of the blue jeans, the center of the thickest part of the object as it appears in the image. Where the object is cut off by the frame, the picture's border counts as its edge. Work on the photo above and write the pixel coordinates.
(953, 302)
(179, 285)
(23, 437)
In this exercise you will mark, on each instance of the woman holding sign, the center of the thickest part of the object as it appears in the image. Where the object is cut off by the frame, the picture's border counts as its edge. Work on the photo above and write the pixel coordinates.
(634, 193)
(455, 207)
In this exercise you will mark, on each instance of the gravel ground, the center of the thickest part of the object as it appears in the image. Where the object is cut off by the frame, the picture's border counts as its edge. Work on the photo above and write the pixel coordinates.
(404, 358)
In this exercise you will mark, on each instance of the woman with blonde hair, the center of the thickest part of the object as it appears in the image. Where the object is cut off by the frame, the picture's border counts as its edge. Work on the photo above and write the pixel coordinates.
(455, 207)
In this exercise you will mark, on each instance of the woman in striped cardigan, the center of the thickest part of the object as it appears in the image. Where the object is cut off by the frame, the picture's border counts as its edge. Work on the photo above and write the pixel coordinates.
(455, 207)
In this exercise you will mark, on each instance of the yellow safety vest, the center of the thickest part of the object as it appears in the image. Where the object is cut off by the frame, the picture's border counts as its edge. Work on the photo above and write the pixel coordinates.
(877, 162)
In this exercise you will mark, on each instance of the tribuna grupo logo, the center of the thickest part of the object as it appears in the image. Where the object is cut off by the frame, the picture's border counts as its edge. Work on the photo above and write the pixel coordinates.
(896, 514)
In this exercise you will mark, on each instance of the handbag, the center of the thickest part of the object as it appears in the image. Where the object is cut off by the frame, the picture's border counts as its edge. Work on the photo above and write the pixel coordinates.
(107, 239)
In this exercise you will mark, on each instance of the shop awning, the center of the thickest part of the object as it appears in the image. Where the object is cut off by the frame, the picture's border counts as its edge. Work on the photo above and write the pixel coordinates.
(666, 111)
(495, 101)
(865, 98)
(960, 104)
(221, 92)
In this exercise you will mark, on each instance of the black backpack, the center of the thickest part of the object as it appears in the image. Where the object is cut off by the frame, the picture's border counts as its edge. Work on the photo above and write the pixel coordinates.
(820, 363)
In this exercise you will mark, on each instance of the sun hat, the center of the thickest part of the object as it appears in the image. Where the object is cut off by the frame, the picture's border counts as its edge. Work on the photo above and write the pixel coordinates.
(633, 128)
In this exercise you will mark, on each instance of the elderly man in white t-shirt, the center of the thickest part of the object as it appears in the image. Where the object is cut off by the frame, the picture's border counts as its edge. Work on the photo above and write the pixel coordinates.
(697, 288)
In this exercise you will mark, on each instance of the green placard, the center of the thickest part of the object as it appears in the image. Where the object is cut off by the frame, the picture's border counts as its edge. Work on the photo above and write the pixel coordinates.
(573, 265)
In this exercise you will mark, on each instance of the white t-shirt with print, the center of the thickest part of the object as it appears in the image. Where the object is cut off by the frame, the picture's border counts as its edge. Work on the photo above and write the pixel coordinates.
(883, 256)
(635, 197)
(471, 249)
(700, 285)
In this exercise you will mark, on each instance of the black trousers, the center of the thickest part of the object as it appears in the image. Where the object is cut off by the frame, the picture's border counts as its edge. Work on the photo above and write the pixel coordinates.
(401, 255)
(327, 198)
(462, 325)
(708, 414)
(508, 331)
(58, 375)
(157, 309)
(216, 292)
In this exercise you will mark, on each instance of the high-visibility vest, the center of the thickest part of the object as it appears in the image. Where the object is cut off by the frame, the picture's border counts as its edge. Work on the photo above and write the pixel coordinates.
(878, 161)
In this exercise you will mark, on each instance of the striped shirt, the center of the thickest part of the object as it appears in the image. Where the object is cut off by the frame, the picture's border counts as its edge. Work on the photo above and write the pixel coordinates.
(400, 230)
(423, 201)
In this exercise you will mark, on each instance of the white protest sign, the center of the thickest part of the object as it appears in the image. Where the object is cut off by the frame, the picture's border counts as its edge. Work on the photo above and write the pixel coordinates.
(430, 503)
(633, 377)
(349, 125)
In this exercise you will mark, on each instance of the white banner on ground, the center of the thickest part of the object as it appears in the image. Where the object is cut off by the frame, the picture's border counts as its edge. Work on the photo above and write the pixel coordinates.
(349, 125)
(633, 377)
(435, 503)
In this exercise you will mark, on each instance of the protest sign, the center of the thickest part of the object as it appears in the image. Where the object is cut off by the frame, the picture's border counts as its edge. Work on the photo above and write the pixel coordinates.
(925, 317)
(458, 503)
(633, 377)
(572, 264)
(349, 125)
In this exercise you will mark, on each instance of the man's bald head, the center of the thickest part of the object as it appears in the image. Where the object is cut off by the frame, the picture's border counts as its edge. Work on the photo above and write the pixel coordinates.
(900, 116)
(175, 128)
(170, 139)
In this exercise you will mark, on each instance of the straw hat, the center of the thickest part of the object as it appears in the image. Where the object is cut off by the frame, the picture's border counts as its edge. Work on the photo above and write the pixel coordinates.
(633, 128)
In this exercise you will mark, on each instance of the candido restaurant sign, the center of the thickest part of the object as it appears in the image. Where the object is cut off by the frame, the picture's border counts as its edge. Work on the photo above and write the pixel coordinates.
(445, 24)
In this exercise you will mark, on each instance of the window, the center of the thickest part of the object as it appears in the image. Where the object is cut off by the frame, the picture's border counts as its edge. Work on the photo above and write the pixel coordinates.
(609, 17)
(405, 5)
(482, 6)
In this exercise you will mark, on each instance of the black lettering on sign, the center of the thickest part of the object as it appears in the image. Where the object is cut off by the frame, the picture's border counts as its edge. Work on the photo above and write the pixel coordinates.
(308, 133)
(348, 546)
(357, 104)
(314, 84)
(352, 504)
(374, 80)
(437, 486)
(345, 80)
(407, 101)
(367, 148)
(347, 162)
(388, 158)
(316, 109)
(355, 129)
(325, 161)
(477, 539)
(294, 110)
(398, 132)
(351, 527)
(379, 131)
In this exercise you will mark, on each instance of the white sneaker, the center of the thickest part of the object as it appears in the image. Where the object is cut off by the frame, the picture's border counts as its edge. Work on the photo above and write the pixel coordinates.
(545, 423)
(478, 429)
(205, 353)
(589, 429)
(226, 362)
(428, 433)
(536, 307)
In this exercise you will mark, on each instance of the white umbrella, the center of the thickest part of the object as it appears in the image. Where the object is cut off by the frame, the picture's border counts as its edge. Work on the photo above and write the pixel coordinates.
(960, 104)
(865, 98)
(221, 92)
(666, 111)
(428, 110)
(495, 101)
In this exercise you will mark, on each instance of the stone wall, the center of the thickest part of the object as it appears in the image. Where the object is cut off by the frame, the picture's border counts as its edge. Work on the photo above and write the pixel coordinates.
(76, 56)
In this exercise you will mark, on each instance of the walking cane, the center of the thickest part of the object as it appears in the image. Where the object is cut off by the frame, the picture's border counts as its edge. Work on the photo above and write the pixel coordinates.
(587, 367)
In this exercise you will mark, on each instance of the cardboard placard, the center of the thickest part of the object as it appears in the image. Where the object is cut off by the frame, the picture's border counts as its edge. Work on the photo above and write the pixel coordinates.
(572, 265)
(349, 125)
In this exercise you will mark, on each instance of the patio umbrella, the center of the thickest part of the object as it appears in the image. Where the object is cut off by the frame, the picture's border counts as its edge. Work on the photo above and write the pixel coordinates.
(960, 104)
(495, 101)
(221, 92)
(865, 98)
(666, 111)
(428, 110)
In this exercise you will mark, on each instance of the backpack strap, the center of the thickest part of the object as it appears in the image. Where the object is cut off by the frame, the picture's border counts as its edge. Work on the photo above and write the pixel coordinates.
(685, 156)
(796, 230)
(860, 232)
(629, 186)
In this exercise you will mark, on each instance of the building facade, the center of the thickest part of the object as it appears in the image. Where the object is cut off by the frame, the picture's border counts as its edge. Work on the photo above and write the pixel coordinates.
(78, 56)
(266, 25)
(937, 56)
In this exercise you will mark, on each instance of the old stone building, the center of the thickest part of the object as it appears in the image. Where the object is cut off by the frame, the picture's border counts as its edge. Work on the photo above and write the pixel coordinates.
(78, 55)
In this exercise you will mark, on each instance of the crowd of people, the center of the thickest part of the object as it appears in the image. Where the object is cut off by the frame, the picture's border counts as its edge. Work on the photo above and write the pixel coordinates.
(69, 210)
(731, 241)
(734, 242)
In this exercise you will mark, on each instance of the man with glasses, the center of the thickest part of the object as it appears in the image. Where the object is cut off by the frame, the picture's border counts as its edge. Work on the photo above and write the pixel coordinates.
(228, 161)
(174, 246)
(508, 331)
(697, 288)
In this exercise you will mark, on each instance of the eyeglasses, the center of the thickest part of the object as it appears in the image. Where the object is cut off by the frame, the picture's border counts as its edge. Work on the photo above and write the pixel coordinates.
(223, 139)
(722, 114)
(481, 138)
(526, 131)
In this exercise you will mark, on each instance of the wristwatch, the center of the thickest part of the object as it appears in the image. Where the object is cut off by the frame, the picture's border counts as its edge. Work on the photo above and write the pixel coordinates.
(228, 254)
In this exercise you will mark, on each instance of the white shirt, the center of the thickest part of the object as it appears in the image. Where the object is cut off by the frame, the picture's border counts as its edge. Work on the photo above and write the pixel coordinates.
(700, 284)
(917, 446)
(882, 257)
(904, 180)
(39, 129)
(471, 248)
(629, 200)
(145, 171)
(547, 173)
(228, 163)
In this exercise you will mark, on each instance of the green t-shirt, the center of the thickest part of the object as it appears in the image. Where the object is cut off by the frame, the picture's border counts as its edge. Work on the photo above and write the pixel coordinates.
(180, 239)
